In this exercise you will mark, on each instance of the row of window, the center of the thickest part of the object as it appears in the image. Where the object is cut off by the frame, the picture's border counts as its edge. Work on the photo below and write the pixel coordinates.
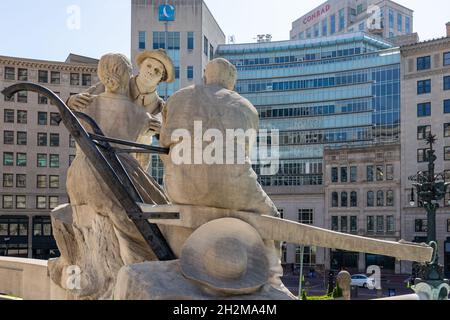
(424, 131)
(42, 139)
(42, 202)
(44, 76)
(421, 225)
(42, 181)
(43, 160)
(424, 63)
(18, 226)
(379, 172)
(375, 224)
(22, 117)
(424, 109)
(381, 200)
(302, 180)
(423, 154)
(424, 86)
(327, 136)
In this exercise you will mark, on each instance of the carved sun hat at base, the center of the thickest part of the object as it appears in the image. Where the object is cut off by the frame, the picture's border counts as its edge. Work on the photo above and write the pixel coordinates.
(162, 57)
(226, 256)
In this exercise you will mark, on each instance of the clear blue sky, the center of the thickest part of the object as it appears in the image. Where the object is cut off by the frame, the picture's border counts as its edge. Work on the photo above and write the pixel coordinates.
(38, 28)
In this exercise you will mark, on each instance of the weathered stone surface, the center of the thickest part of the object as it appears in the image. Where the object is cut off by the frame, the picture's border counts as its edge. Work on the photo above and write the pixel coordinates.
(164, 281)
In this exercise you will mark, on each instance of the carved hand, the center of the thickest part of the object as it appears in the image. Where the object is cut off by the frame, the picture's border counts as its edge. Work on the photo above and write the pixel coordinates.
(80, 101)
(154, 124)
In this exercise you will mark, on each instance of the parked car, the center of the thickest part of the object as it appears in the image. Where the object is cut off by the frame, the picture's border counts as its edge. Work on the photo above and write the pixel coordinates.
(363, 281)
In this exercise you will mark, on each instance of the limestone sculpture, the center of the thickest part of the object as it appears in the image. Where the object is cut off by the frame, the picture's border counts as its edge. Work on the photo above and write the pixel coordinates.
(94, 232)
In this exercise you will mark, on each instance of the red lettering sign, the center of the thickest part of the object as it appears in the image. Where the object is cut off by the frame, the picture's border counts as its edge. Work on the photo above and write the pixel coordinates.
(316, 14)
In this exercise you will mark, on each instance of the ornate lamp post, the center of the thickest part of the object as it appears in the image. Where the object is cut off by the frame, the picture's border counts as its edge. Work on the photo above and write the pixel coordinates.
(431, 189)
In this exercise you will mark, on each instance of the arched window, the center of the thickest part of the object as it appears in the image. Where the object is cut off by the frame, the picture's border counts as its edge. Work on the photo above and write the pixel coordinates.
(354, 199)
(344, 199)
(370, 199)
(390, 198)
(380, 199)
(335, 200)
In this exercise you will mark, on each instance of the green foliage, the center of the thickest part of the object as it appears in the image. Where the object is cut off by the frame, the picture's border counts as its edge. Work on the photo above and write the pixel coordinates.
(304, 295)
(337, 292)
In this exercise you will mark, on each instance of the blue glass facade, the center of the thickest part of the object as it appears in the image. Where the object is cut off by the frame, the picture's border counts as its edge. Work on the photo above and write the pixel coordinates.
(340, 90)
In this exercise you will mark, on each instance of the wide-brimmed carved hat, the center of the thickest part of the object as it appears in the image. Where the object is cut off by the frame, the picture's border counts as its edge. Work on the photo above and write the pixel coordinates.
(162, 57)
(227, 256)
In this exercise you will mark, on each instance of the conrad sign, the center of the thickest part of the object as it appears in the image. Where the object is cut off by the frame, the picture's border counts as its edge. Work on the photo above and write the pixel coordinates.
(316, 14)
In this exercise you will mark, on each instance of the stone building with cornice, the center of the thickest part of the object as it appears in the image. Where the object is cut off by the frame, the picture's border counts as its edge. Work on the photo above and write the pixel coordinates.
(425, 107)
(35, 151)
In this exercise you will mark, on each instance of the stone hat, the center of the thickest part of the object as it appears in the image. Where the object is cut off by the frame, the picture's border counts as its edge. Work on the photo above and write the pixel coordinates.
(226, 256)
(162, 57)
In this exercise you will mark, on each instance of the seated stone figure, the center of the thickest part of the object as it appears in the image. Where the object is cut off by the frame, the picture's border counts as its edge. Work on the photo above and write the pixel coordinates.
(94, 232)
(219, 185)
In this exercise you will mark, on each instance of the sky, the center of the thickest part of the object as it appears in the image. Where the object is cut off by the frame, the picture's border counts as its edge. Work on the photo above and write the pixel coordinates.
(47, 29)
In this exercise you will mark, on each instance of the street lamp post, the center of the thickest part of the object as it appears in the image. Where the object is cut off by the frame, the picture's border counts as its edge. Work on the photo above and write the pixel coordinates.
(431, 189)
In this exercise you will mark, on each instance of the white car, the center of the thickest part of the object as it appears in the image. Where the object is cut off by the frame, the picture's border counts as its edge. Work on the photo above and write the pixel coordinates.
(361, 280)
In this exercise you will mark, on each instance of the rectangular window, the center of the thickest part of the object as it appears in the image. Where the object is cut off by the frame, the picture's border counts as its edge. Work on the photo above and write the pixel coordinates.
(316, 29)
(344, 224)
(159, 40)
(407, 25)
(54, 139)
(205, 45)
(353, 224)
(43, 76)
(389, 172)
(333, 24)
(8, 159)
(421, 225)
(8, 116)
(21, 160)
(21, 180)
(353, 174)
(22, 97)
(72, 142)
(42, 160)
(54, 182)
(446, 130)
(344, 174)
(424, 110)
(55, 77)
(177, 72)
(370, 174)
(8, 202)
(54, 161)
(447, 83)
(424, 86)
(74, 79)
(22, 75)
(53, 202)
(334, 175)
(341, 19)
(391, 19)
(10, 73)
(324, 28)
(390, 224)
(42, 118)
(446, 106)
(190, 40)
(41, 202)
(447, 153)
(422, 155)
(211, 52)
(42, 139)
(380, 173)
(334, 223)
(21, 202)
(423, 132)
(142, 36)
(173, 41)
(41, 182)
(55, 119)
(306, 216)
(447, 59)
(380, 224)
(22, 117)
(86, 80)
(190, 73)
(42, 99)
(8, 180)
(423, 63)
(8, 137)
(399, 22)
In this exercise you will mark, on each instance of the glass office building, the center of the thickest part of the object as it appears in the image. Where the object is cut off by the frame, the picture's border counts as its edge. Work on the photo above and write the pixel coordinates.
(327, 92)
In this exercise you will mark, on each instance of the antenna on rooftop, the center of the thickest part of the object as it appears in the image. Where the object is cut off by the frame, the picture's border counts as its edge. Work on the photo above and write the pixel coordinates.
(232, 39)
(264, 38)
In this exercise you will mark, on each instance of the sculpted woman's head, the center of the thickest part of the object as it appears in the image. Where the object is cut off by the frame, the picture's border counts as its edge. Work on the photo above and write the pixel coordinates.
(114, 71)
(221, 72)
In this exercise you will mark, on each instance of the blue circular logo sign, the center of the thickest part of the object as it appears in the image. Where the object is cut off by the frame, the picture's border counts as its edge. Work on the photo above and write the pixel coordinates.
(166, 12)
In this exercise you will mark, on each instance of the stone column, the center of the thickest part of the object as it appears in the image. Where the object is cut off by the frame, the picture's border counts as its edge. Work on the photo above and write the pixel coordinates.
(344, 280)
(362, 263)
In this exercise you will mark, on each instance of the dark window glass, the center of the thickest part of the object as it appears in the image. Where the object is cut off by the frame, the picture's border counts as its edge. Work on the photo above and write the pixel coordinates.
(43, 76)
(370, 199)
(21, 160)
(205, 45)
(447, 153)
(447, 83)
(334, 175)
(423, 132)
(142, 36)
(380, 173)
(21, 181)
(86, 80)
(10, 73)
(422, 155)
(354, 199)
(390, 198)
(72, 142)
(380, 224)
(421, 225)
(424, 86)
(190, 42)
(22, 117)
(446, 129)
(22, 97)
(344, 224)
(353, 224)
(54, 139)
(8, 180)
(8, 159)
(370, 224)
(424, 109)
(8, 137)
(380, 199)
(54, 119)
(446, 106)
(447, 59)
(42, 118)
(344, 175)
(353, 174)
(42, 139)
(335, 200)
(190, 72)
(55, 77)
(334, 223)
(370, 174)
(423, 63)
(390, 223)
(54, 161)
(42, 99)
(344, 199)
(389, 172)
(42, 160)
(22, 75)
(8, 116)
(74, 79)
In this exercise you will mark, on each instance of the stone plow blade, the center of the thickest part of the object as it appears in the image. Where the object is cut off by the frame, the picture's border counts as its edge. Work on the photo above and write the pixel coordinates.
(271, 228)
